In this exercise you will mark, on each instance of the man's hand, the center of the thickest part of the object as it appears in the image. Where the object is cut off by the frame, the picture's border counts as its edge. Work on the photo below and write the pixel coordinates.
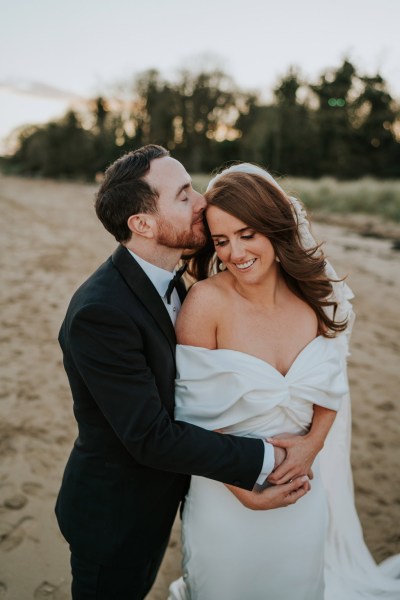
(276, 496)
(301, 451)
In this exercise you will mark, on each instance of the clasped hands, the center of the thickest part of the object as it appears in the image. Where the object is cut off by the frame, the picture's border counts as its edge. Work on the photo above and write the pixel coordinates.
(290, 479)
(294, 456)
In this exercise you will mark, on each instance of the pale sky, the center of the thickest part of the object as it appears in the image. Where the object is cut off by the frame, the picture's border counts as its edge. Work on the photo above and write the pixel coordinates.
(84, 46)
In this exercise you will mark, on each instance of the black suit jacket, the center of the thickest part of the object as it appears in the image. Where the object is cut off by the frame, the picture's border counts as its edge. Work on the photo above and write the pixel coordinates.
(130, 463)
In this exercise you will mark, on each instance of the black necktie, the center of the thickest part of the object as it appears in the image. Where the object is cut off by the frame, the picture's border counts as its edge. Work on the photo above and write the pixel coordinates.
(173, 282)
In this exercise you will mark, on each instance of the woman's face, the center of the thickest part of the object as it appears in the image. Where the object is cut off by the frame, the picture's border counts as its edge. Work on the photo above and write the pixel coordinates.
(247, 254)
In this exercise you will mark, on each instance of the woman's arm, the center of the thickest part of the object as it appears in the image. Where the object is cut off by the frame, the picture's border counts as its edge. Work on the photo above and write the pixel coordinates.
(302, 449)
(275, 496)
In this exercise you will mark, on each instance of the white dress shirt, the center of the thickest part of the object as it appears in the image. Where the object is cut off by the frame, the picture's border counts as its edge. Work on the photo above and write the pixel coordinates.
(160, 278)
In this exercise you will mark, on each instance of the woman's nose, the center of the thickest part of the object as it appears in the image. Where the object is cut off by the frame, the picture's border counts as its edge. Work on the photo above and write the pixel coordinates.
(238, 251)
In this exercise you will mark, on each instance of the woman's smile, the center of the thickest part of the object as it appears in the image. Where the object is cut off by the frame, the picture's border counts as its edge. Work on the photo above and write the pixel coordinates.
(245, 265)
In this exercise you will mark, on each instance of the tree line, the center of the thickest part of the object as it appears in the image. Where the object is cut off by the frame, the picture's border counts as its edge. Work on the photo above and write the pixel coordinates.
(345, 125)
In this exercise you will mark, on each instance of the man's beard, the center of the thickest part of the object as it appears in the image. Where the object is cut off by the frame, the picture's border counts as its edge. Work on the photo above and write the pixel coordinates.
(171, 238)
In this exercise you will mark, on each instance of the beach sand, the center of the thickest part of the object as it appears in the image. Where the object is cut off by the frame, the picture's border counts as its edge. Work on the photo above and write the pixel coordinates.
(50, 242)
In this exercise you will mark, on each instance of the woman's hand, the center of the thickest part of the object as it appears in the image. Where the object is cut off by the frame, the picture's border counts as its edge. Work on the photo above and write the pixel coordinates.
(301, 451)
(276, 496)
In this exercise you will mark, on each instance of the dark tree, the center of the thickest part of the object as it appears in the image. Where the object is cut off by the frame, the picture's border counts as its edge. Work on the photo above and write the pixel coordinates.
(375, 117)
(60, 148)
(333, 121)
(295, 143)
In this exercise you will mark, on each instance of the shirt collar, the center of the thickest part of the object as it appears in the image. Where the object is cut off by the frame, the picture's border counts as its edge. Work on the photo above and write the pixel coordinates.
(159, 277)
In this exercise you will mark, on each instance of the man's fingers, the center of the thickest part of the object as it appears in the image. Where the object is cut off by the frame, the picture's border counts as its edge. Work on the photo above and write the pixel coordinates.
(299, 482)
(298, 488)
(283, 495)
(306, 486)
(296, 495)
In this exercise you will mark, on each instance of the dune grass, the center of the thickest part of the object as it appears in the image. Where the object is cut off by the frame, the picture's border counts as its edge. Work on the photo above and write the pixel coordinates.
(328, 195)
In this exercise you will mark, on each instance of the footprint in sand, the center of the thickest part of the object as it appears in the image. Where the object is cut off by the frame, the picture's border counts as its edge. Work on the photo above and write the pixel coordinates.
(13, 534)
(49, 591)
(16, 502)
(386, 406)
(45, 590)
(31, 487)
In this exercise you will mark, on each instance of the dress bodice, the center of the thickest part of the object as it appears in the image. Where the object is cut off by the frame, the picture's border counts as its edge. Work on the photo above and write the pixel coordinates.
(242, 394)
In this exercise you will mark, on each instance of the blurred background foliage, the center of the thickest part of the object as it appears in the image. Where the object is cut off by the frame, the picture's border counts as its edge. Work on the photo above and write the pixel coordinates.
(345, 126)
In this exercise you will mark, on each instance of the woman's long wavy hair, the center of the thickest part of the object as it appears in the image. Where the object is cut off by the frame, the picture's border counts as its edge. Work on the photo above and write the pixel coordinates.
(264, 207)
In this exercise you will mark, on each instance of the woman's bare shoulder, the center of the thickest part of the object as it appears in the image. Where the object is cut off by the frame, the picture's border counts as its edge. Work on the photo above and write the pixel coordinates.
(209, 294)
(198, 318)
(213, 287)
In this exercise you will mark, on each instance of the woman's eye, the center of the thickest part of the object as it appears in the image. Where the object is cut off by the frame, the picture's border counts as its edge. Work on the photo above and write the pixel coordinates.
(220, 243)
(249, 236)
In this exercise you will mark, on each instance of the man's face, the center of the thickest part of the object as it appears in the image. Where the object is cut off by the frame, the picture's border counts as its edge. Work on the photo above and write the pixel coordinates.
(179, 218)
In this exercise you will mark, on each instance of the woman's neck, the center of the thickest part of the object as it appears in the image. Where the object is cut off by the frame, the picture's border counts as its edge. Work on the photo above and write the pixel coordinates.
(266, 293)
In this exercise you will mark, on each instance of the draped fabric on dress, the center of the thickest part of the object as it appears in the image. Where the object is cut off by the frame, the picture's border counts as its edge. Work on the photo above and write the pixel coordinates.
(234, 553)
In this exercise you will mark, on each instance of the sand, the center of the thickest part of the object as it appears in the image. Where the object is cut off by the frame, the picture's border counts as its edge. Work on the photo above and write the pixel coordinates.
(51, 241)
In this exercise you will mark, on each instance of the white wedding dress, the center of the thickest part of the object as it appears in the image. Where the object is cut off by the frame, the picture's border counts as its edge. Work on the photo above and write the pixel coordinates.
(313, 550)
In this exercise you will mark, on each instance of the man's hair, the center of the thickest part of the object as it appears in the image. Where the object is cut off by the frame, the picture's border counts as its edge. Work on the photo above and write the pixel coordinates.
(124, 192)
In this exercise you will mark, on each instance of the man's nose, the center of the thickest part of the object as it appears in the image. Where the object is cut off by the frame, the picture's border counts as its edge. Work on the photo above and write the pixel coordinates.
(200, 202)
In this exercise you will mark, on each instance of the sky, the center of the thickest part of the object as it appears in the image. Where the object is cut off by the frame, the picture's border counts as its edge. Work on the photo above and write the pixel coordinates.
(55, 52)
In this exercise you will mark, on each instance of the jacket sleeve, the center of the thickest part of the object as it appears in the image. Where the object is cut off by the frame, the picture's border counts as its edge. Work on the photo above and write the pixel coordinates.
(107, 350)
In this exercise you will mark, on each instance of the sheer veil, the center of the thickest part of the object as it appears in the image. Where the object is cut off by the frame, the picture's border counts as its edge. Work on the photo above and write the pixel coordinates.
(351, 572)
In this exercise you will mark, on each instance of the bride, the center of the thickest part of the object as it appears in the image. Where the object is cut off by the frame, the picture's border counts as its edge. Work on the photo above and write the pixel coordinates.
(262, 344)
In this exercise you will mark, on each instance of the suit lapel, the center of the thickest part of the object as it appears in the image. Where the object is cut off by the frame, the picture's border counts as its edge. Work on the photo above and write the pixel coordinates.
(142, 287)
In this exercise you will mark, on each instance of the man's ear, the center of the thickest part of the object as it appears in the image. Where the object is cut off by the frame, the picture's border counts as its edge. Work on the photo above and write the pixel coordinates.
(143, 224)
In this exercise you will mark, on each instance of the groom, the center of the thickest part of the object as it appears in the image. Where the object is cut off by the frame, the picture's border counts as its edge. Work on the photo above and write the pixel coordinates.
(130, 464)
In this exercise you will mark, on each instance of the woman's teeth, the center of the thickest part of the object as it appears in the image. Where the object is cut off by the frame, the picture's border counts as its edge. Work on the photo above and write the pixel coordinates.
(245, 265)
